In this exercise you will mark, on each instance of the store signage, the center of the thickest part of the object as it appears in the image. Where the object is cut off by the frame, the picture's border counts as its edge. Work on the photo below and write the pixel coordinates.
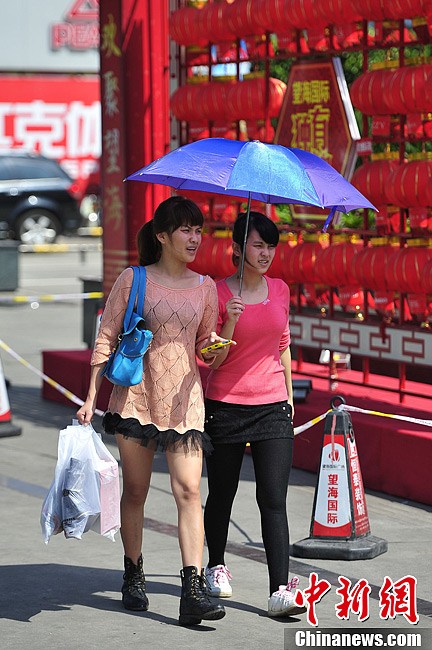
(113, 163)
(317, 115)
(56, 116)
(80, 28)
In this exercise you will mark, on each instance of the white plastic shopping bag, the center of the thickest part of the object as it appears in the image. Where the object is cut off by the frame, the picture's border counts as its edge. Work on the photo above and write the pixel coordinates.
(85, 492)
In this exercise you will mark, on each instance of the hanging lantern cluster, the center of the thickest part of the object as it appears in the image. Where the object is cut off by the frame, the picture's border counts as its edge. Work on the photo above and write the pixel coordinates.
(382, 268)
(225, 20)
(389, 91)
(246, 100)
(387, 182)
(372, 177)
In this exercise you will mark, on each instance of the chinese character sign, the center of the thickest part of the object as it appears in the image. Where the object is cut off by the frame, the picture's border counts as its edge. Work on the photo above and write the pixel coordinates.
(116, 253)
(58, 117)
(317, 116)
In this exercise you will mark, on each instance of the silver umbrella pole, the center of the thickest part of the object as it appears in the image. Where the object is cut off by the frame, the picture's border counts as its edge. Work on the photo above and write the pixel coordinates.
(243, 257)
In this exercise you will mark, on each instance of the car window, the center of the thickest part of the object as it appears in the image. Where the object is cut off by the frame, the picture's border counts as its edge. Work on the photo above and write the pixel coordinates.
(23, 168)
(4, 170)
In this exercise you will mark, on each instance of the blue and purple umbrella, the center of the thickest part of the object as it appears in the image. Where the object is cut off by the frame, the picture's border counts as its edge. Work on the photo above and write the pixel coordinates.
(269, 173)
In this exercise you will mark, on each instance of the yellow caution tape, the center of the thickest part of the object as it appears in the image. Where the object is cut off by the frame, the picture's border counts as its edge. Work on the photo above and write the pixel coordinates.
(52, 297)
(310, 423)
(405, 418)
(67, 393)
(297, 430)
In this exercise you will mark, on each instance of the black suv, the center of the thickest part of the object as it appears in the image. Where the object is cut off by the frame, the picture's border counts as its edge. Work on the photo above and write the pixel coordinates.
(38, 200)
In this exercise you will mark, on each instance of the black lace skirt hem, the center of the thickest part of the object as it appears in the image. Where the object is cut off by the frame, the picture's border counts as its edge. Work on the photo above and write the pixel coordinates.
(148, 435)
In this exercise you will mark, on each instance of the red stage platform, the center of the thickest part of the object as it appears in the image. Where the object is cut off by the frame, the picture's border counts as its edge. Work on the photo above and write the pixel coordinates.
(395, 456)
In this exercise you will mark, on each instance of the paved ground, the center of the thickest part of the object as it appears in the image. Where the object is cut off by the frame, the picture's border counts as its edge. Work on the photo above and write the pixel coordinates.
(66, 594)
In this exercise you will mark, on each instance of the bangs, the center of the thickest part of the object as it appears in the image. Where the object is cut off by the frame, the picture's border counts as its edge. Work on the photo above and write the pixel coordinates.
(264, 226)
(266, 230)
(186, 213)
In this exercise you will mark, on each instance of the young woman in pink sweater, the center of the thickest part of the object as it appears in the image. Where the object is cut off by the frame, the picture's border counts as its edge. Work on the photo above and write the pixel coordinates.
(166, 410)
(249, 398)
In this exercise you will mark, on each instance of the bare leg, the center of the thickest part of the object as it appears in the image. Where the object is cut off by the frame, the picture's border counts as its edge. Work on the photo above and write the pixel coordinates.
(136, 469)
(185, 471)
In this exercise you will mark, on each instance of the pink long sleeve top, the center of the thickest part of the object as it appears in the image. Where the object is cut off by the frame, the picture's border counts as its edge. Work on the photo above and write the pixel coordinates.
(253, 373)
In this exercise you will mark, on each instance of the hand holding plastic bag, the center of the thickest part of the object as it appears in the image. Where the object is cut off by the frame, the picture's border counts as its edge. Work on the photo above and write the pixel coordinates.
(85, 493)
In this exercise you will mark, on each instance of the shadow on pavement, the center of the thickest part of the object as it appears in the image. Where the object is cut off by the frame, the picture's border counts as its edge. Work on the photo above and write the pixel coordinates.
(27, 405)
(56, 587)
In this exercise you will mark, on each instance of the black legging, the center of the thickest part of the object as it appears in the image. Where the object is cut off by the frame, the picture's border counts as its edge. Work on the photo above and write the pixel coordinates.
(272, 461)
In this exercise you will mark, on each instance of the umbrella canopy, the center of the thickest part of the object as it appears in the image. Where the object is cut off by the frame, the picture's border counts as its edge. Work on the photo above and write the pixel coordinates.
(269, 173)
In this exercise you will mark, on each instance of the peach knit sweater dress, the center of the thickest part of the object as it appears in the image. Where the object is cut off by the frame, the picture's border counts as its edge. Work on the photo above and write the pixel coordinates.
(166, 410)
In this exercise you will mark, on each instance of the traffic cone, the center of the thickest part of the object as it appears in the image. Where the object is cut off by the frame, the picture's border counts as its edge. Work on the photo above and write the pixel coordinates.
(6, 426)
(340, 527)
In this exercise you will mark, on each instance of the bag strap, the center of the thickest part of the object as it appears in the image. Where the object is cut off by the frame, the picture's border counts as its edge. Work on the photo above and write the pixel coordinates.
(141, 289)
(132, 298)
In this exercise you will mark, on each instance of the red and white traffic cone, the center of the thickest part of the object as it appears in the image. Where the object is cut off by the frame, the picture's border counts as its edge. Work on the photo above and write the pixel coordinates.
(340, 527)
(6, 426)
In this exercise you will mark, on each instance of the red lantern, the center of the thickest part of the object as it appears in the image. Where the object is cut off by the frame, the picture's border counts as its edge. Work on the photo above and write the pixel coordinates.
(230, 101)
(337, 12)
(372, 9)
(242, 19)
(212, 22)
(247, 100)
(426, 277)
(333, 264)
(300, 265)
(403, 8)
(214, 100)
(409, 185)
(273, 14)
(304, 13)
(186, 103)
(183, 26)
(407, 89)
(368, 267)
(372, 177)
(403, 270)
(369, 92)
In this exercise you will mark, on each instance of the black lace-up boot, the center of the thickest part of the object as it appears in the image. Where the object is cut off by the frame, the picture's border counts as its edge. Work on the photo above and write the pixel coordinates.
(133, 589)
(195, 605)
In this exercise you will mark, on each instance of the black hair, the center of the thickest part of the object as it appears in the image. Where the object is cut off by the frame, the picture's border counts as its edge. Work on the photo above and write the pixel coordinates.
(171, 214)
(264, 226)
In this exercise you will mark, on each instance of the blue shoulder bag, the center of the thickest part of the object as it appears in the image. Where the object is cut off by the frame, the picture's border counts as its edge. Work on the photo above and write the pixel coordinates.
(126, 364)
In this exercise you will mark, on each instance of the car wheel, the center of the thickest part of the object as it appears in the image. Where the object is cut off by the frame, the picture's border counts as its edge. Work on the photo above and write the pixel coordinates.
(37, 227)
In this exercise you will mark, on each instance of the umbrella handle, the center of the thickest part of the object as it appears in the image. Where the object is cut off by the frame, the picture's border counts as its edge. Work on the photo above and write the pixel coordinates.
(243, 257)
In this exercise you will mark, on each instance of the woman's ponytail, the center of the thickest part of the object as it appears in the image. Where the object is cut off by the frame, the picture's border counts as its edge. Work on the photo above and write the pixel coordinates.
(149, 247)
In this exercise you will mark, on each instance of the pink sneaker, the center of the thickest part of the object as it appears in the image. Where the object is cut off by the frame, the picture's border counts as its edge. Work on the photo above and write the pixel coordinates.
(218, 578)
(281, 602)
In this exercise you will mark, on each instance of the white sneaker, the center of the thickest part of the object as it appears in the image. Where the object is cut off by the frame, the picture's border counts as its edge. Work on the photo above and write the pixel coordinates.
(281, 603)
(218, 578)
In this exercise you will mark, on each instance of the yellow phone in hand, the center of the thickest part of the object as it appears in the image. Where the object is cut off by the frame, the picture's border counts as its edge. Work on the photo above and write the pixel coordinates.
(216, 346)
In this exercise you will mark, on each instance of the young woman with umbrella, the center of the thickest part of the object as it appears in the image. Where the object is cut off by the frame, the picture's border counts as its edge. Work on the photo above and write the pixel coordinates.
(249, 398)
(166, 410)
